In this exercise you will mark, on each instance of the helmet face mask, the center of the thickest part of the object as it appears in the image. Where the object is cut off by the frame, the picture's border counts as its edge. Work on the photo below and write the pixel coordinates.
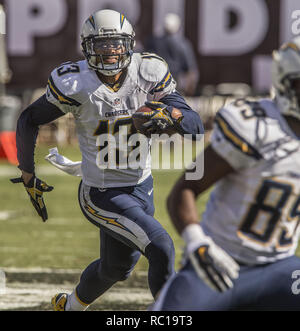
(107, 42)
(286, 78)
(292, 88)
(108, 55)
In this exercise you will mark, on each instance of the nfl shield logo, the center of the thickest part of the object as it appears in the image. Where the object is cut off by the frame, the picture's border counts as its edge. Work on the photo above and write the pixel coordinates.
(117, 101)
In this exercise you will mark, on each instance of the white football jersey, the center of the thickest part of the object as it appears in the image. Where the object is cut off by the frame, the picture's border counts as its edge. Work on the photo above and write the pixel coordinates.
(254, 213)
(100, 109)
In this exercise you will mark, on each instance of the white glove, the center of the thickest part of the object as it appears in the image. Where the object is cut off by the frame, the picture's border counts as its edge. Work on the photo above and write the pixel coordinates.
(211, 263)
(63, 163)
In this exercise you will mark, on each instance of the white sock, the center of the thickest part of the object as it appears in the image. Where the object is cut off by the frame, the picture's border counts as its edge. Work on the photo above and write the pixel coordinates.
(74, 303)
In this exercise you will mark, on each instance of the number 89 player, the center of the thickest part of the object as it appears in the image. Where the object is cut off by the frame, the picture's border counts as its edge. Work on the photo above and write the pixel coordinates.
(102, 92)
(242, 254)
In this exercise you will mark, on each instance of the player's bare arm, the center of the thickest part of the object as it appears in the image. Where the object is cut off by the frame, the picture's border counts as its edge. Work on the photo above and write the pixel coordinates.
(26, 176)
(210, 262)
(181, 202)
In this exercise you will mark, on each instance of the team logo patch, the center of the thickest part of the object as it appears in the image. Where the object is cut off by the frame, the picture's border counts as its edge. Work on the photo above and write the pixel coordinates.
(92, 21)
(117, 101)
(122, 19)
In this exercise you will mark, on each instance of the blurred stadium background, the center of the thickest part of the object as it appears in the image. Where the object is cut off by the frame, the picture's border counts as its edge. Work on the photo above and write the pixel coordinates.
(232, 40)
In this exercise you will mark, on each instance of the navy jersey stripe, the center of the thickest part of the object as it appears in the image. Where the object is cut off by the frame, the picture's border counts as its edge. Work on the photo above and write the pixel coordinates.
(235, 139)
(63, 99)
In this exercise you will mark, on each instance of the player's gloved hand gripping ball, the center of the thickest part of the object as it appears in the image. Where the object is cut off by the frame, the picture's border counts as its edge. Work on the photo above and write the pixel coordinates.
(35, 189)
(155, 118)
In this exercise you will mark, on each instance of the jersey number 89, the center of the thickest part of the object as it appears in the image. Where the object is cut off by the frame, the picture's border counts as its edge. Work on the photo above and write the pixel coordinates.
(271, 207)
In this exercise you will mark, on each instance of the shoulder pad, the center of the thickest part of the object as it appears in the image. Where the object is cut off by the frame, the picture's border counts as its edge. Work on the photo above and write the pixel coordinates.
(153, 68)
(239, 123)
(254, 129)
(65, 84)
(243, 115)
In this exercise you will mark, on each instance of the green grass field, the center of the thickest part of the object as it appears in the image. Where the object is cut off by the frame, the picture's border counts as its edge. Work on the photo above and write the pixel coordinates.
(67, 239)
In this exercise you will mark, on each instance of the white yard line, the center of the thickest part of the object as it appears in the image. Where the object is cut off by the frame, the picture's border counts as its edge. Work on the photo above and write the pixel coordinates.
(6, 170)
(37, 296)
(6, 214)
(26, 291)
(11, 171)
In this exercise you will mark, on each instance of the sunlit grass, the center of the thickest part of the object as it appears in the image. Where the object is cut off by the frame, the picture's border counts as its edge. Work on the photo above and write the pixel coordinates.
(67, 239)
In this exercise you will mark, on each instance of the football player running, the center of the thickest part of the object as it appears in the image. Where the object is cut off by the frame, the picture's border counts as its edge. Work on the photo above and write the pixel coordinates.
(241, 256)
(102, 92)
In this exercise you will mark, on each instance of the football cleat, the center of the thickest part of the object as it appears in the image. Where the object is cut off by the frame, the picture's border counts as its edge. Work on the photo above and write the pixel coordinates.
(59, 301)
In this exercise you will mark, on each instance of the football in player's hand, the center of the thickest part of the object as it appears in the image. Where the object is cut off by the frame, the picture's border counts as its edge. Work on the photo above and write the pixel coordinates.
(142, 122)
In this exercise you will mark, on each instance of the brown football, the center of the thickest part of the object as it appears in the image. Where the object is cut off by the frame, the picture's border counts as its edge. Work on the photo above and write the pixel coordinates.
(138, 122)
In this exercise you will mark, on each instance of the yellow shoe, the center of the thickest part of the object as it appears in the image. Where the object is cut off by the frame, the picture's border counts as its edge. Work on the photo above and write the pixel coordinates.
(59, 301)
